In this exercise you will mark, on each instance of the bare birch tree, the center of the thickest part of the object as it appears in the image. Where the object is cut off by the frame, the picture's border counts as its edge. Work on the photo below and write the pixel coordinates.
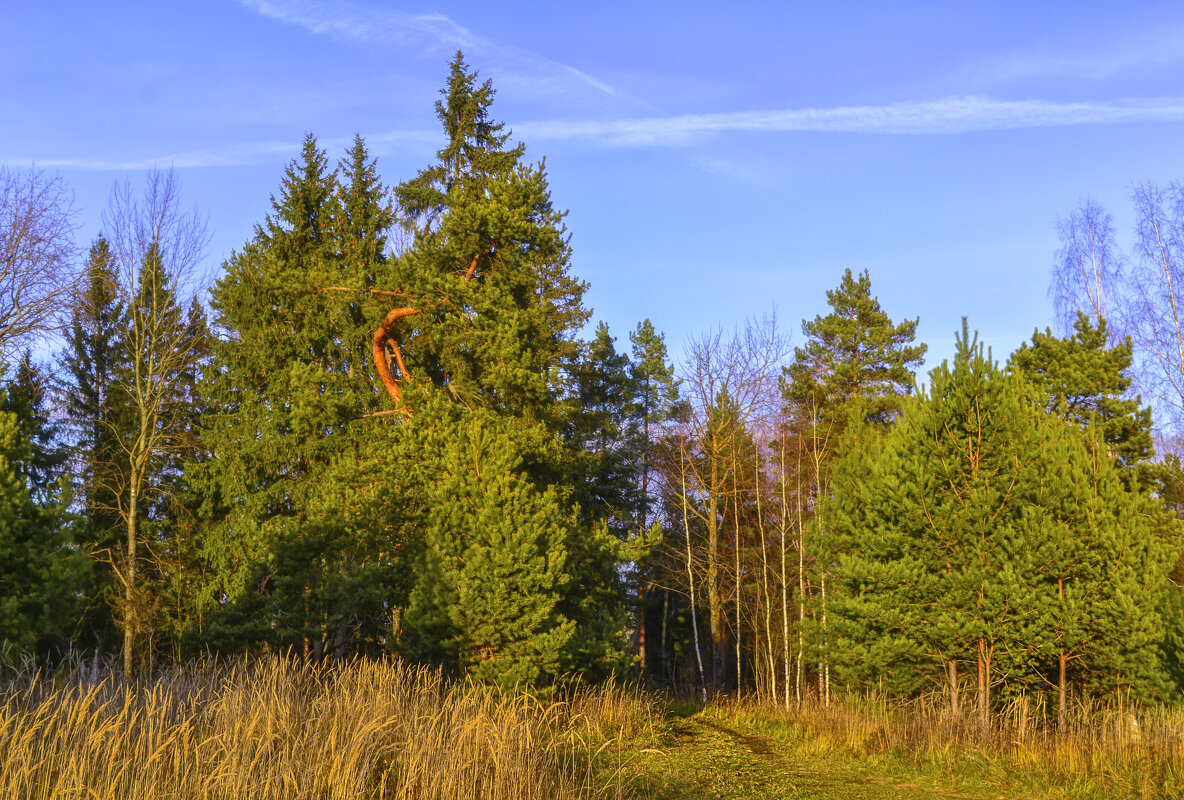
(1088, 269)
(157, 247)
(37, 256)
(730, 383)
(1155, 297)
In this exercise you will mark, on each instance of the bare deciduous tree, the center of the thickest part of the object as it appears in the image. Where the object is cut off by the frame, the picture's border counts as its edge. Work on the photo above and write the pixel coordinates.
(731, 386)
(1088, 268)
(1155, 301)
(157, 248)
(37, 255)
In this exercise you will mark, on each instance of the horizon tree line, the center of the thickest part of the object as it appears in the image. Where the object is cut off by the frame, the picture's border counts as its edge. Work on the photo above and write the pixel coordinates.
(356, 448)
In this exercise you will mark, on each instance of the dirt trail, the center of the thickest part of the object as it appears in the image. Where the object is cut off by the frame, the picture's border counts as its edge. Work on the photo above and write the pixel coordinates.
(705, 759)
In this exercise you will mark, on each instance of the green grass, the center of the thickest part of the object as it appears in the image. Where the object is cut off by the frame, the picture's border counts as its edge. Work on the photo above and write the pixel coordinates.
(719, 753)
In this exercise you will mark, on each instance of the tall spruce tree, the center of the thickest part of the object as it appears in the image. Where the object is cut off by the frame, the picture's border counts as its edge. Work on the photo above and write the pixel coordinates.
(493, 332)
(657, 400)
(301, 548)
(604, 427)
(657, 396)
(92, 360)
(497, 310)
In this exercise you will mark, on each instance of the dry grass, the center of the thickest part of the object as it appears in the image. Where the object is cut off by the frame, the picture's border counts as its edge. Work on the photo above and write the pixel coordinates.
(1103, 751)
(278, 729)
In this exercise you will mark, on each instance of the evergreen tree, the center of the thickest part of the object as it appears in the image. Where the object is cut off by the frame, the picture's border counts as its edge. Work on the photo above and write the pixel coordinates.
(604, 428)
(493, 330)
(1085, 381)
(300, 548)
(42, 572)
(657, 396)
(855, 356)
(982, 530)
(493, 572)
(657, 399)
(92, 360)
(497, 311)
(856, 367)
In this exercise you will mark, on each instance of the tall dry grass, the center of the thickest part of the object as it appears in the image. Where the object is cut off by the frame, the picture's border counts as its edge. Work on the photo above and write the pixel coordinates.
(1103, 751)
(279, 729)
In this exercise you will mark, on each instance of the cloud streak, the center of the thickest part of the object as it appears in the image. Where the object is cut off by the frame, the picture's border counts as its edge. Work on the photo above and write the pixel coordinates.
(231, 156)
(946, 116)
(238, 155)
(938, 117)
(1152, 50)
(384, 26)
(348, 22)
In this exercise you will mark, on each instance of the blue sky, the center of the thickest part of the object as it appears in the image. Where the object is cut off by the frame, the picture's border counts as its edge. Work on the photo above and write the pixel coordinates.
(716, 163)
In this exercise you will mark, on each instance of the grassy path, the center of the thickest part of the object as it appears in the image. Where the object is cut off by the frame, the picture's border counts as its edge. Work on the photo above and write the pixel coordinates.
(710, 757)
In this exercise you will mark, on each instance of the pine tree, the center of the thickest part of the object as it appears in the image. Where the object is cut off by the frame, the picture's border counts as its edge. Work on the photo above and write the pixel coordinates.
(855, 356)
(856, 367)
(493, 573)
(1086, 381)
(982, 530)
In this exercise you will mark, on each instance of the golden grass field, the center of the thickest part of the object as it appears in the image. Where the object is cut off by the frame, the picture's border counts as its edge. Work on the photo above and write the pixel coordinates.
(278, 728)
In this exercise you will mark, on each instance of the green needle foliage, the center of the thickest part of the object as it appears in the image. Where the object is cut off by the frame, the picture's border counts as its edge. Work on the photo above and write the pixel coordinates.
(1086, 382)
(495, 339)
(854, 357)
(494, 569)
(42, 572)
(982, 534)
(443, 521)
(300, 549)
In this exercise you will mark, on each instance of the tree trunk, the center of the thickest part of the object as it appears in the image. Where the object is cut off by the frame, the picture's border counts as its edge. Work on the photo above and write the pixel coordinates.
(1061, 690)
(714, 602)
(736, 560)
(984, 683)
(784, 577)
(771, 657)
(641, 632)
(130, 614)
(825, 649)
(691, 579)
(955, 707)
(664, 655)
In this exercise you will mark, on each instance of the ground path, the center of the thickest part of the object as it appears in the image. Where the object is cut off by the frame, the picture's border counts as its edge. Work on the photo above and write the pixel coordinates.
(702, 758)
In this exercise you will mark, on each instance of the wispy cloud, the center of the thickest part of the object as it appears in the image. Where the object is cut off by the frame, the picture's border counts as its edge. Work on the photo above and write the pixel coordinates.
(230, 156)
(1151, 50)
(349, 22)
(238, 155)
(936, 117)
(947, 116)
(378, 24)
